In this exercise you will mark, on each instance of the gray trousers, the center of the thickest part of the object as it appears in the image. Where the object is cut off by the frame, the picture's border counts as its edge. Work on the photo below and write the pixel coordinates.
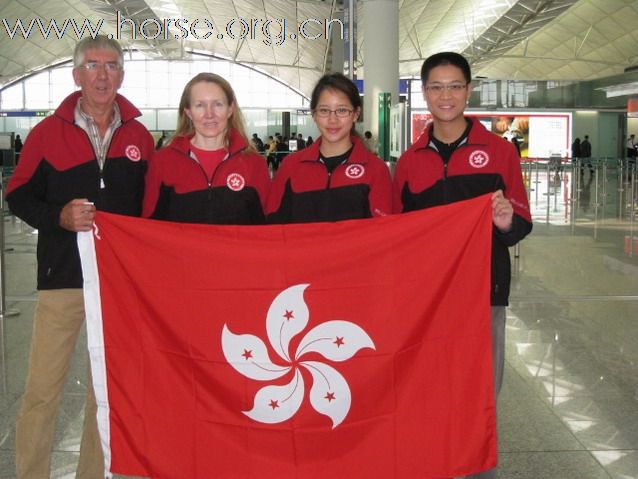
(498, 360)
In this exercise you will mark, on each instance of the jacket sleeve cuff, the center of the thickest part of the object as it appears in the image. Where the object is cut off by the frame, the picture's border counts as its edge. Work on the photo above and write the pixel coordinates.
(520, 228)
(51, 220)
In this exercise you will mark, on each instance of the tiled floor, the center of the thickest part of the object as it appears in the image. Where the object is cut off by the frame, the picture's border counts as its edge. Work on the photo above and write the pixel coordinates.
(569, 404)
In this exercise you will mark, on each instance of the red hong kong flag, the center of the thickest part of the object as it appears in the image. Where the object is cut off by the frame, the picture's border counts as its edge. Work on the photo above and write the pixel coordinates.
(357, 349)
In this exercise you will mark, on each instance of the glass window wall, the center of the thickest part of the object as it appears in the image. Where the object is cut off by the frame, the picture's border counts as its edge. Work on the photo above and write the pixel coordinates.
(152, 83)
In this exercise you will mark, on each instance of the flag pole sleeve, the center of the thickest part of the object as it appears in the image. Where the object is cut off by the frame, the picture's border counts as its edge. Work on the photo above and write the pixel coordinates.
(95, 338)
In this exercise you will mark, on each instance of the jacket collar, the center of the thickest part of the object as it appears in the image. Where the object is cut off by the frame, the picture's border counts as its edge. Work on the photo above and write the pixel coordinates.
(66, 110)
(478, 135)
(237, 143)
(360, 154)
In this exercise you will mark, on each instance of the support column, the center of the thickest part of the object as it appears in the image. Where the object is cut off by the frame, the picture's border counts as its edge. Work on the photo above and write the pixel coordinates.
(380, 57)
(337, 46)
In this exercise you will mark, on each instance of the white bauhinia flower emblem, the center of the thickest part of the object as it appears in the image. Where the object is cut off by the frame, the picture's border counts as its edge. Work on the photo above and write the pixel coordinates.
(479, 159)
(133, 153)
(235, 182)
(334, 340)
(355, 171)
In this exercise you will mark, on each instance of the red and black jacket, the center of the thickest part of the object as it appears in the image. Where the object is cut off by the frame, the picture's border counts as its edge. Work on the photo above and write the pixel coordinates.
(304, 191)
(482, 164)
(178, 188)
(57, 165)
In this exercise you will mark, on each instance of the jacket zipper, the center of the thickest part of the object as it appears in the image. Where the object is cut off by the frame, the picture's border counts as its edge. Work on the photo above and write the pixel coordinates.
(209, 181)
(106, 155)
(108, 148)
(329, 173)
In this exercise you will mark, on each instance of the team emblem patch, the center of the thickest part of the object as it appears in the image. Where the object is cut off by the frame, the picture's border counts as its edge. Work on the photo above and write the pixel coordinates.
(479, 159)
(235, 182)
(133, 153)
(355, 171)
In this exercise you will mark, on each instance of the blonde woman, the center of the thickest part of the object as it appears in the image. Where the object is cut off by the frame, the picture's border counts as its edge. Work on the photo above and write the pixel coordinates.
(208, 173)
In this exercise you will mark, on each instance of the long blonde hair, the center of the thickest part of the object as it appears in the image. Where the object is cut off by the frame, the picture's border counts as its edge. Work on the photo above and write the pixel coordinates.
(236, 121)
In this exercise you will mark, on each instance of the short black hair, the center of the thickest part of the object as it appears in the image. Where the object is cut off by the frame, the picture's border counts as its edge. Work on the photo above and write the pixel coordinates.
(337, 82)
(445, 58)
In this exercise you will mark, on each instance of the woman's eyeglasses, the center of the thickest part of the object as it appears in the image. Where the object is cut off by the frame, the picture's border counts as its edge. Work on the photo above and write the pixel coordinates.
(339, 112)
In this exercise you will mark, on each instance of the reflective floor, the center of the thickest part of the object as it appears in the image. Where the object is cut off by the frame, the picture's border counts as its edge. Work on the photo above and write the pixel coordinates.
(569, 404)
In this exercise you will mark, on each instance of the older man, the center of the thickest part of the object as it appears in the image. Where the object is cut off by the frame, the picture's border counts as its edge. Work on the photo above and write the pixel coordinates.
(90, 154)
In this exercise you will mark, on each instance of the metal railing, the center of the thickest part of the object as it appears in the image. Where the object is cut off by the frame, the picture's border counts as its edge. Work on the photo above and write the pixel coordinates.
(605, 188)
(4, 311)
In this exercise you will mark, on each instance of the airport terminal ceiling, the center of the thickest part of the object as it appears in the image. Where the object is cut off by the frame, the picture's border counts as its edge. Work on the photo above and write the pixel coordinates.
(504, 39)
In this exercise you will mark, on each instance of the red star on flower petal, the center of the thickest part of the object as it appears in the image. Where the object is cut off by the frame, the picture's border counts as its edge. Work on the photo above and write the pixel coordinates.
(274, 404)
(338, 341)
(330, 396)
(288, 315)
(247, 354)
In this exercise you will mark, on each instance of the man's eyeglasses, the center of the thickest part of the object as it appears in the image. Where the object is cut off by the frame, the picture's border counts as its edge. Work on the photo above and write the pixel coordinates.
(438, 88)
(339, 112)
(110, 67)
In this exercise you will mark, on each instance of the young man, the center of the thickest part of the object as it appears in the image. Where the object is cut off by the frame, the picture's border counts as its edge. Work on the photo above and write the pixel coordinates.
(90, 154)
(455, 159)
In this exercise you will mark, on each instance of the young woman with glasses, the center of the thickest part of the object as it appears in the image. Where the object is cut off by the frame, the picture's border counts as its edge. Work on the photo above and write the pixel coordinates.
(336, 178)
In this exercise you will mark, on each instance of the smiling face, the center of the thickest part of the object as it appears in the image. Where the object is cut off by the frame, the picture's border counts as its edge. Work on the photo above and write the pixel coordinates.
(209, 111)
(100, 84)
(335, 115)
(447, 104)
